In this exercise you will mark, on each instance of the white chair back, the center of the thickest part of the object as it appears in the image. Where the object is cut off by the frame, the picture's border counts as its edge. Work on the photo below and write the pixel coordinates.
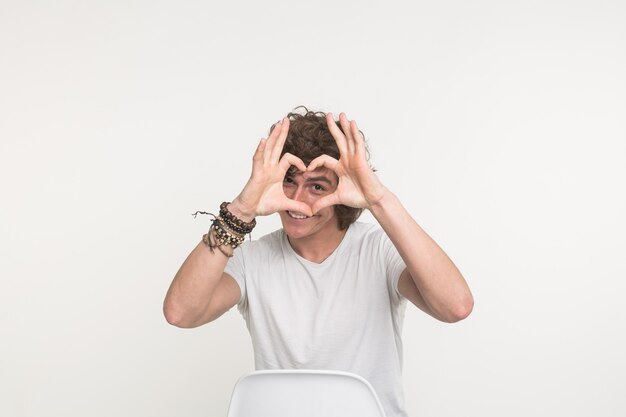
(304, 393)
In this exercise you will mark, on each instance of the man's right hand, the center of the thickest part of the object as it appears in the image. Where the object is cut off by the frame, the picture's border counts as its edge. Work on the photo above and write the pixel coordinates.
(263, 193)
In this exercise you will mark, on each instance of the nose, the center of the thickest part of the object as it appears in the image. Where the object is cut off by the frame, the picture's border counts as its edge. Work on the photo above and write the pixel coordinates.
(298, 193)
(295, 192)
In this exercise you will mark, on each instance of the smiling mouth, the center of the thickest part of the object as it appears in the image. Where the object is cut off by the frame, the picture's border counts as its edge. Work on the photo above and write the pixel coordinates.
(295, 215)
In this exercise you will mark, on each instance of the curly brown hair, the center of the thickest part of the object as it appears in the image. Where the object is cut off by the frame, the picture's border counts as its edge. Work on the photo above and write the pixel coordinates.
(309, 138)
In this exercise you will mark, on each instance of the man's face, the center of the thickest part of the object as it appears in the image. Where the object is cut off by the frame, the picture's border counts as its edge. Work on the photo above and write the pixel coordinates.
(309, 187)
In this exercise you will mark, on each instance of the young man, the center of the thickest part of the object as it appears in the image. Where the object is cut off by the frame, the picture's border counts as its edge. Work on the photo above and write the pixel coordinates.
(324, 292)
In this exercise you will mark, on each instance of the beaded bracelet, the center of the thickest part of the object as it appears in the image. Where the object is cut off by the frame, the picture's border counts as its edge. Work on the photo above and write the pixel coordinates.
(237, 232)
(226, 230)
(225, 236)
(233, 221)
(219, 236)
(206, 238)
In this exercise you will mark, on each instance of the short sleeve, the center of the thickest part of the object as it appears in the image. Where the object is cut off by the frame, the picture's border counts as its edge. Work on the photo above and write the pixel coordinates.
(236, 269)
(394, 265)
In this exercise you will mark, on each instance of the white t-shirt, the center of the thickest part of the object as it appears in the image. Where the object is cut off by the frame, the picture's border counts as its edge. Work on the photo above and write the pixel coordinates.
(343, 314)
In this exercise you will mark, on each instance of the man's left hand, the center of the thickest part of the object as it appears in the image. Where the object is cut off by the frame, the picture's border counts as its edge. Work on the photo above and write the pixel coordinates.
(358, 185)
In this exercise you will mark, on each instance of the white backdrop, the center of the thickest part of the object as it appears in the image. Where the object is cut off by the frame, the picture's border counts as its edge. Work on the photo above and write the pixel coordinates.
(501, 126)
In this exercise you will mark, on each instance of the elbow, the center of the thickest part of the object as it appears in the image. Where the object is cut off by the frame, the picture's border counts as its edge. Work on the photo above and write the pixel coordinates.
(174, 317)
(171, 317)
(461, 310)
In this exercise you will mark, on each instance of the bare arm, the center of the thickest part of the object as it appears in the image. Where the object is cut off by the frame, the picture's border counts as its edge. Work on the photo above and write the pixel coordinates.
(201, 291)
(431, 281)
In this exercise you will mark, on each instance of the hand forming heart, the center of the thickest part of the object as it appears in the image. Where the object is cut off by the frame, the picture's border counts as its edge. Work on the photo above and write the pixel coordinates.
(357, 186)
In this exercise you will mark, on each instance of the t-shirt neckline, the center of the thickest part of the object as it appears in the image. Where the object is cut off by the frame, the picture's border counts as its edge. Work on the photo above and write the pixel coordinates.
(326, 261)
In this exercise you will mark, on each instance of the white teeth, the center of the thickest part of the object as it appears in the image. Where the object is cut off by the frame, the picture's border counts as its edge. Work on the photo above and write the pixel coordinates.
(296, 215)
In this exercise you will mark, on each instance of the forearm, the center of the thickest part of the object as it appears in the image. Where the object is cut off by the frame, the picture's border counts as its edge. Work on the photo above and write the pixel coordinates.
(200, 291)
(192, 289)
(437, 279)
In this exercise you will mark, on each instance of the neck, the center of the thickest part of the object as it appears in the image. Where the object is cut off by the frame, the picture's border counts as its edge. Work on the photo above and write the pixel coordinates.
(317, 248)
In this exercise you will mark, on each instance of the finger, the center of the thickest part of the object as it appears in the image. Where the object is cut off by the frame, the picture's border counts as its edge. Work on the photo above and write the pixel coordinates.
(324, 161)
(280, 142)
(345, 126)
(298, 207)
(358, 140)
(271, 140)
(288, 160)
(258, 154)
(340, 139)
(326, 201)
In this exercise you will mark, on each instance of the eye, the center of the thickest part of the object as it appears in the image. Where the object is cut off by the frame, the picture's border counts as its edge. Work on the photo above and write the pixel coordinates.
(288, 180)
(318, 187)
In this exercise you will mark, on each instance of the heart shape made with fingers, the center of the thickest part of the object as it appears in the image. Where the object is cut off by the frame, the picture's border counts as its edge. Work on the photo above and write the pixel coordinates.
(320, 184)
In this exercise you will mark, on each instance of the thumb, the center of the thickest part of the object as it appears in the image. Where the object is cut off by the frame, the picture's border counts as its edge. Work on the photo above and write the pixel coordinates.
(326, 201)
(298, 207)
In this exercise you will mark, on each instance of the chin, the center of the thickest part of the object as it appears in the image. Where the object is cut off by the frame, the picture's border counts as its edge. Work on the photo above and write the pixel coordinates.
(294, 236)
(296, 232)
(301, 229)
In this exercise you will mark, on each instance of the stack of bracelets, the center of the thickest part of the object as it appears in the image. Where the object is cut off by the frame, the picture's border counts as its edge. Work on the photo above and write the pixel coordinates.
(227, 230)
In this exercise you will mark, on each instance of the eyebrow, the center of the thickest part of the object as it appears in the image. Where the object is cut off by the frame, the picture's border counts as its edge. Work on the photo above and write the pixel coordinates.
(291, 172)
(316, 179)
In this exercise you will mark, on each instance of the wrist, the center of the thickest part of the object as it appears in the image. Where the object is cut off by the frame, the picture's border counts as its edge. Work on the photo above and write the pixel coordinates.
(240, 211)
(386, 199)
(379, 199)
